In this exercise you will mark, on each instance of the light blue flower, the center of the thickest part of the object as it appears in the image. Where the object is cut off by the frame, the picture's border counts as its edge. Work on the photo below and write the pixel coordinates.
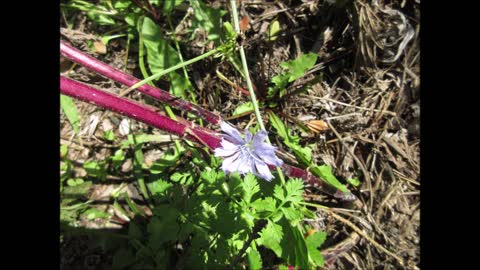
(246, 155)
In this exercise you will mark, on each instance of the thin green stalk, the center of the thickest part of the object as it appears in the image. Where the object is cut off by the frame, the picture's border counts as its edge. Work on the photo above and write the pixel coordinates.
(180, 56)
(249, 82)
(141, 61)
(170, 69)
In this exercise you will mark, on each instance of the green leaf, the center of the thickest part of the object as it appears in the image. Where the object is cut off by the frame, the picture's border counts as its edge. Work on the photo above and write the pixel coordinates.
(294, 189)
(168, 160)
(325, 172)
(229, 31)
(117, 159)
(179, 85)
(293, 70)
(94, 213)
(273, 30)
(77, 190)
(278, 125)
(207, 18)
(279, 193)
(71, 182)
(250, 187)
(298, 67)
(161, 55)
(245, 107)
(271, 236)
(169, 5)
(264, 207)
(182, 178)
(209, 175)
(63, 151)
(95, 169)
(100, 19)
(294, 246)
(292, 214)
(303, 154)
(163, 227)
(159, 187)
(254, 259)
(70, 111)
(353, 181)
(313, 242)
(106, 39)
(109, 135)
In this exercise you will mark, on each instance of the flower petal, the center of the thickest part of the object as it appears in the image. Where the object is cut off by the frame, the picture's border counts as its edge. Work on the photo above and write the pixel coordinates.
(259, 138)
(248, 136)
(233, 133)
(263, 171)
(231, 163)
(269, 158)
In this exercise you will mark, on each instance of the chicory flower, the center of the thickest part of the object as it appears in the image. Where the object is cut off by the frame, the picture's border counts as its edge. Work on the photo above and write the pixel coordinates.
(246, 155)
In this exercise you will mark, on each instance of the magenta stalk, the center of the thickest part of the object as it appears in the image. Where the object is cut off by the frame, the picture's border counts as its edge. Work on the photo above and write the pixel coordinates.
(135, 111)
(201, 135)
(128, 80)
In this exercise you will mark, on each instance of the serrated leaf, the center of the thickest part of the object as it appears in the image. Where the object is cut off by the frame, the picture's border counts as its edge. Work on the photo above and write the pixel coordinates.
(159, 187)
(279, 193)
(254, 259)
(70, 111)
(243, 108)
(297, 68)
(292, 214)
(271, 236)
(303, 154)
(250, 187)
(209, 175)
(161, 231)
(294, 190)
(313, 242)
(264, 207)
(277, 123)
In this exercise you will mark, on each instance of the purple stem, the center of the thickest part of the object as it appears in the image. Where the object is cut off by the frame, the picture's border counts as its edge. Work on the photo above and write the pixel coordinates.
(128, 80)
(136, 111)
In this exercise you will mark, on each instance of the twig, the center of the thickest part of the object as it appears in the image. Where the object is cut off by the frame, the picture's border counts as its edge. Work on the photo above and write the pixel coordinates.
(361, 233)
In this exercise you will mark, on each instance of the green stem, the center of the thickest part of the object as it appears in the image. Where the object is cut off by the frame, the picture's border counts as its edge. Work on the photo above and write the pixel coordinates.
(180, 57)
(249, 82)
(170, 69)
(141, 54)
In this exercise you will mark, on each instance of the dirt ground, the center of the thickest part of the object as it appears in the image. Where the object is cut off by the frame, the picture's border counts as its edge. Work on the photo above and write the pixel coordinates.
(369, 92)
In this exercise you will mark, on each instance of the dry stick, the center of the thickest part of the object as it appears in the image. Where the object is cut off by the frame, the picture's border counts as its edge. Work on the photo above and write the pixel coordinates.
(359, 163)
(357, 107)
(128, 80)
(361, 233)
